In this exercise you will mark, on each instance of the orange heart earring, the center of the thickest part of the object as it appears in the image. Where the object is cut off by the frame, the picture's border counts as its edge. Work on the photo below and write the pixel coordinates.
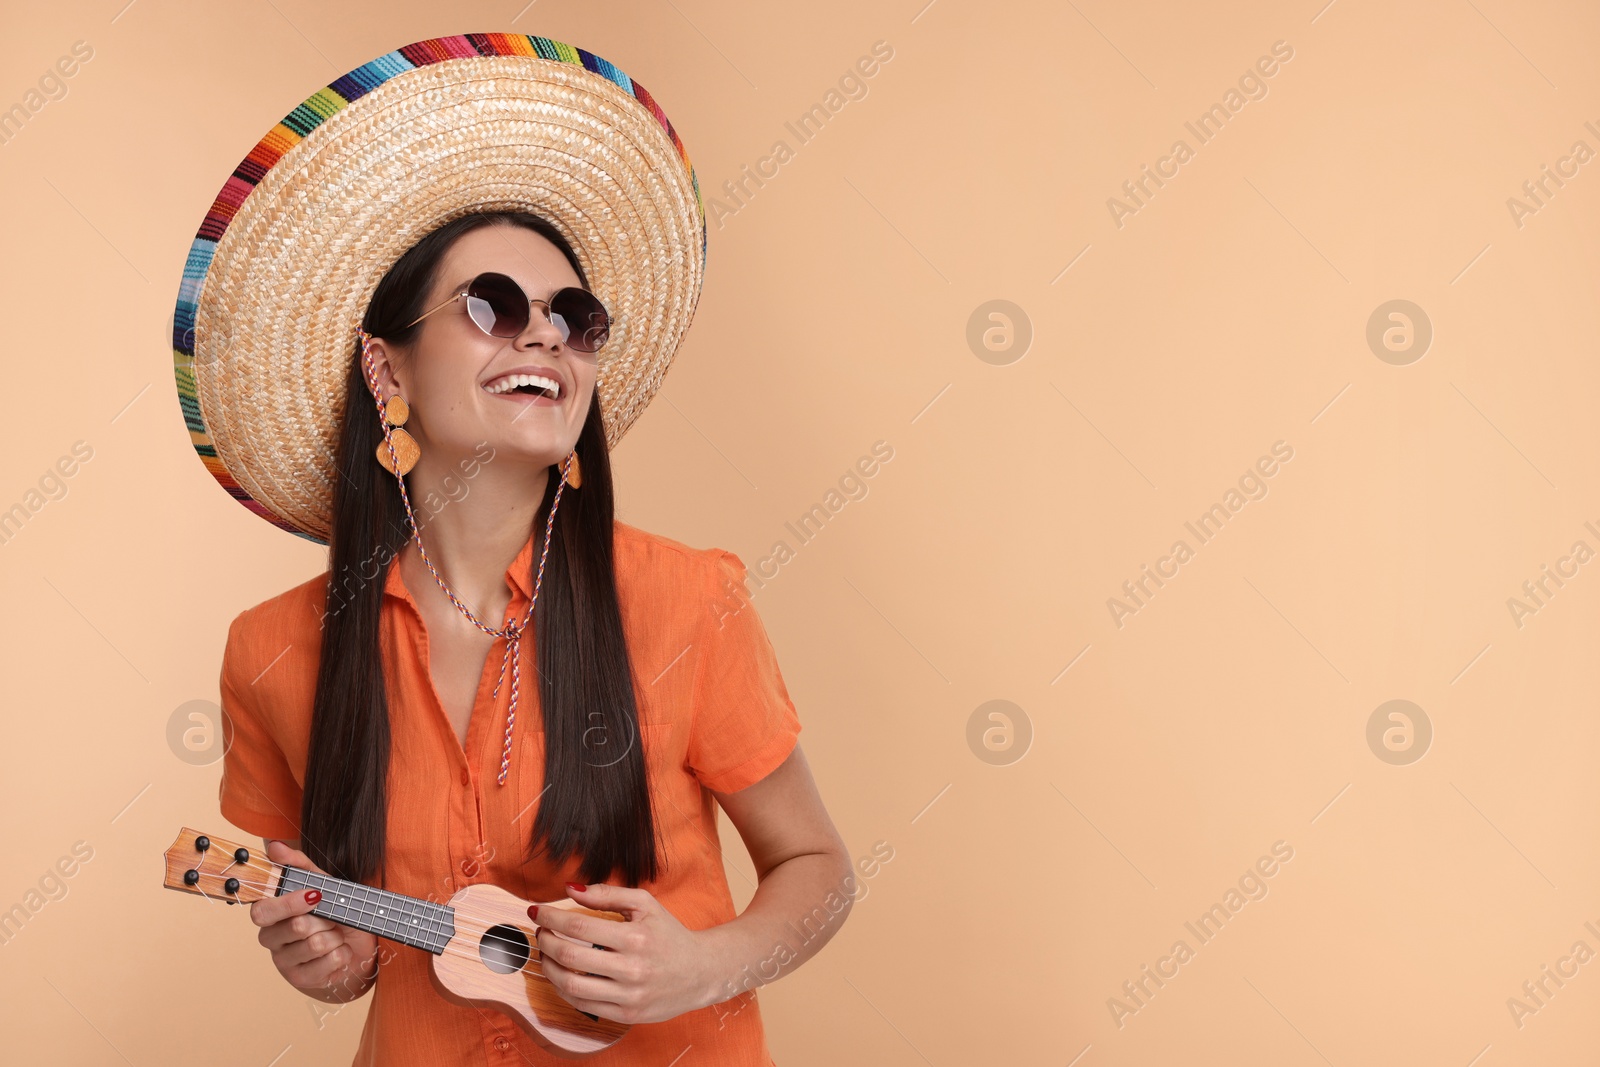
(573, 474)
(395, 413)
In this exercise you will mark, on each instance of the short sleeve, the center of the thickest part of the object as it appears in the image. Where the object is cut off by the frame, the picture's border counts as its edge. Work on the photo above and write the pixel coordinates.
(258, 792)
(744, 724)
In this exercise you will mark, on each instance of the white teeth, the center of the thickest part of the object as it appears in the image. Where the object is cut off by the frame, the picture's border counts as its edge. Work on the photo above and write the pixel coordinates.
(511, 381)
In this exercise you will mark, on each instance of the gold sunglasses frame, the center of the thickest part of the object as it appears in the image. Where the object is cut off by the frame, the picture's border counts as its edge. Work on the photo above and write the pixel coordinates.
(544, 306)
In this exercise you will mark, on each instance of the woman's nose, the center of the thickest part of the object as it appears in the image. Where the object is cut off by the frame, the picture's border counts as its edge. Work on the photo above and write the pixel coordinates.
(542, 327)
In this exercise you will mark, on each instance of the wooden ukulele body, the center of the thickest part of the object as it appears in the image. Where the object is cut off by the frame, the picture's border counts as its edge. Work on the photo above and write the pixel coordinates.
(492, 962)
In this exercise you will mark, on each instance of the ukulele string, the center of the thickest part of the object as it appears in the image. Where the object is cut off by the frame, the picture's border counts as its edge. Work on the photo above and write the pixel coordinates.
(488, 919)
(534, 956)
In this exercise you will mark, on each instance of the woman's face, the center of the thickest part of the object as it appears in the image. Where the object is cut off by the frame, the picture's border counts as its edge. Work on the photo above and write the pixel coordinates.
(448, 374)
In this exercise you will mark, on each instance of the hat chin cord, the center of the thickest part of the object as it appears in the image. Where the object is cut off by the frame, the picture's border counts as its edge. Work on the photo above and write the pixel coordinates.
(400, 460)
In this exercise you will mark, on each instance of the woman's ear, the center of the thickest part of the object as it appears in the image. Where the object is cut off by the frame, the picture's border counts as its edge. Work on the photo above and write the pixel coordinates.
(385, 367)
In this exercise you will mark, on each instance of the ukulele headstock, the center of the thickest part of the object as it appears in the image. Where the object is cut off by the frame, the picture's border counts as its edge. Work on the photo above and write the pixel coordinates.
(218, 870)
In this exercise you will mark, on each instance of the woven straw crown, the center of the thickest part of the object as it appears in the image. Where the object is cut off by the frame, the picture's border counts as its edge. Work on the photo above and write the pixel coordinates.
(287, 259)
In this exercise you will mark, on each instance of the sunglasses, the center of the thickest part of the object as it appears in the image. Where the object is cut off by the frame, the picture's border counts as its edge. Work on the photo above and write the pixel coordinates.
(497, 305)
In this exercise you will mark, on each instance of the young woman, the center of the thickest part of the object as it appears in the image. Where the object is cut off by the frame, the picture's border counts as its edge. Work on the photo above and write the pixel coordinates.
(536, 695)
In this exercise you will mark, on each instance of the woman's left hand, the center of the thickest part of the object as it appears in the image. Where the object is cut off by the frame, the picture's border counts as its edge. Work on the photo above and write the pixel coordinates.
(651, 968)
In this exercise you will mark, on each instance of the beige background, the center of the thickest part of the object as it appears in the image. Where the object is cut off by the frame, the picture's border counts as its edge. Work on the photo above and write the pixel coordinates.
(1163, 757)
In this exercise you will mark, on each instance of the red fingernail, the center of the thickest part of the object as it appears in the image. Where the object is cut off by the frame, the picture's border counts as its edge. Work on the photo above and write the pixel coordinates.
(533, 912)
(312, 896)
(577, 887)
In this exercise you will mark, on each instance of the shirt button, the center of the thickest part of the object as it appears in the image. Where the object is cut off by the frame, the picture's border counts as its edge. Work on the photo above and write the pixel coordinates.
(466, 776)
(469, 867)
(501, 1043)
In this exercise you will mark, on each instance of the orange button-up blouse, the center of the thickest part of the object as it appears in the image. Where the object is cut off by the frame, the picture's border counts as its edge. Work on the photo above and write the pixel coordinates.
(714, 715)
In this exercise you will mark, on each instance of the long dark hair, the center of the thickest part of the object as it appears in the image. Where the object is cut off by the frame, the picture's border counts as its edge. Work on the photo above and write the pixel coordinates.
(595, 804)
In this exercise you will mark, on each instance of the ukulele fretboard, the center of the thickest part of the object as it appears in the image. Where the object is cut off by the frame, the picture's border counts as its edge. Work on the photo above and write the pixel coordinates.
(418, 923)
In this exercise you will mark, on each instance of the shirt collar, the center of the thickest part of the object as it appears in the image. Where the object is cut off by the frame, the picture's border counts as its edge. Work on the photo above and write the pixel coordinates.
(518, 575)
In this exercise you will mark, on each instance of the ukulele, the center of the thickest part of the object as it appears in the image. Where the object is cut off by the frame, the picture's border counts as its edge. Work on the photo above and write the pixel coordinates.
(482, 940)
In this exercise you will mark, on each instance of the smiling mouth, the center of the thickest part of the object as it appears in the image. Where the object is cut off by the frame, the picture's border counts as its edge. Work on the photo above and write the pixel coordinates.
(537, 386)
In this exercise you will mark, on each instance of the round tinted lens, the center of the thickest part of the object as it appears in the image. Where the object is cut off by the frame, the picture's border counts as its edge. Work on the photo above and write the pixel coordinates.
(581, 318)
(498, 305)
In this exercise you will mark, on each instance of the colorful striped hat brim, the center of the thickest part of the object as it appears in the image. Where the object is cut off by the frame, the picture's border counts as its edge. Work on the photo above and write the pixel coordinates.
(283, 266)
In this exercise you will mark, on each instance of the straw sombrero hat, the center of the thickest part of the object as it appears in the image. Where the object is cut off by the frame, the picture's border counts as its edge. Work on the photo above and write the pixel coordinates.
(282, 268)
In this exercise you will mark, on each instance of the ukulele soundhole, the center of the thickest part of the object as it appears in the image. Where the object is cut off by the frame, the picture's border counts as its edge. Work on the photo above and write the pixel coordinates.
(504, 949)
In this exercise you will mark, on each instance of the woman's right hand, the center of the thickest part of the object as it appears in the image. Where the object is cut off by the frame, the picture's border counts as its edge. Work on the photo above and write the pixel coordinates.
(319, 957)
